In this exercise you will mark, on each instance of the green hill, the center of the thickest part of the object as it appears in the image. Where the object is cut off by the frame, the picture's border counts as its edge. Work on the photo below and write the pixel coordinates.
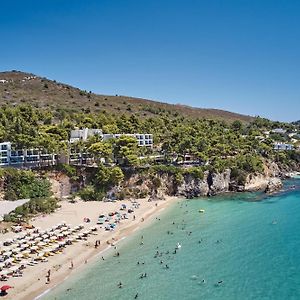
(19, 87)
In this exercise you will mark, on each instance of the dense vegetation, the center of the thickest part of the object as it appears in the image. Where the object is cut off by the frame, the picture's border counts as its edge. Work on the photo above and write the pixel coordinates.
(219, 143)
(22, 184)
(31, 208)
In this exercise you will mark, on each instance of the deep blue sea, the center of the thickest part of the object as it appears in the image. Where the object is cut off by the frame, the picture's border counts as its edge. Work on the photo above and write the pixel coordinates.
(245, 246)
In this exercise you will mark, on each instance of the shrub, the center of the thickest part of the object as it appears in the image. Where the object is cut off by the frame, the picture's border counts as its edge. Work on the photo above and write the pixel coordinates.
(196, 172)
(25, 184)
(31, 208)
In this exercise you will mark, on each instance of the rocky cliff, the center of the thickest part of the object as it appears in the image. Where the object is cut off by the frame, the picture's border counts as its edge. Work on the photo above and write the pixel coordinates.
(211, 184)
(141, 184)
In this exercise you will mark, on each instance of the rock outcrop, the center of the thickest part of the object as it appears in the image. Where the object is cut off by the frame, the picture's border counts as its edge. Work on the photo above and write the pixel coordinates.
(273, 185)
(192, 187)
(219, 182)
(256, 182)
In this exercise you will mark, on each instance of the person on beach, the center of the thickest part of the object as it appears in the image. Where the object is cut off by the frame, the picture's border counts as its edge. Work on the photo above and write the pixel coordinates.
(72, 265)
(47, 279)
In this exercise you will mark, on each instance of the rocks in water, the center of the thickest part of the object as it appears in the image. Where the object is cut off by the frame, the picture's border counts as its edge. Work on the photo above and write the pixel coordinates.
(273, 185)
(219, 182)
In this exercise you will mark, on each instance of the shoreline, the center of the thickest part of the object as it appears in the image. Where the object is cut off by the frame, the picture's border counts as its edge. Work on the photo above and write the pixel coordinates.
(33, 286)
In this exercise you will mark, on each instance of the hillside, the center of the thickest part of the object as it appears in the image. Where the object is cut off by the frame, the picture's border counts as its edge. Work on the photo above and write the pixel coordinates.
(18, 87)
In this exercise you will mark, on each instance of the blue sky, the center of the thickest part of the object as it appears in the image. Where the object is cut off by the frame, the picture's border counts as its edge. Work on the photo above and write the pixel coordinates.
(241, 56)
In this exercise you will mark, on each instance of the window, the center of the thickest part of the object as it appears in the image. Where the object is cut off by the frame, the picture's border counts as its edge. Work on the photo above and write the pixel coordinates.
(3, 147)
(3, 160)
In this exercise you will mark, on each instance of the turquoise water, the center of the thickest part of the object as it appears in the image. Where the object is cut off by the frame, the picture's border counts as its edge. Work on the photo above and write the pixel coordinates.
(253, 247)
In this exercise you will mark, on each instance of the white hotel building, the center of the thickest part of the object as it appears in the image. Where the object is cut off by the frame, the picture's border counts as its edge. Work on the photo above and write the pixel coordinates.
(38, 158)
(24, 157)
(143, 140)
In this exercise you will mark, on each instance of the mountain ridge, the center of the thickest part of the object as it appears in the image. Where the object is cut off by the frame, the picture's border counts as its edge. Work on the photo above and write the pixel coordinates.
(18, 87)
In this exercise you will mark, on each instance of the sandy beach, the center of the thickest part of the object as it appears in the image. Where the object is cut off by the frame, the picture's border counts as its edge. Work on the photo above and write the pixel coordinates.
(33, 282)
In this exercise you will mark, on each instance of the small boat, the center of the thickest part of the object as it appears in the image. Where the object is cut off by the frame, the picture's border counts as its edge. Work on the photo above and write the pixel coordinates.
(178, 246)
(201, 210)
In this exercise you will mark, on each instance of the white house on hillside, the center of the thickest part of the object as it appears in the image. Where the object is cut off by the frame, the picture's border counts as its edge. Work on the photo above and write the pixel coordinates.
(283, 146)
(143, 140)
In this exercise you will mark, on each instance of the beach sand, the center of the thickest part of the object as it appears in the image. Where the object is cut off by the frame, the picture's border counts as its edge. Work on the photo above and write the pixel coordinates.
(33, 282)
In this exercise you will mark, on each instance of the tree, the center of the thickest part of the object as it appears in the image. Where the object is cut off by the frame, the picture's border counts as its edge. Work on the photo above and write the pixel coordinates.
(101, 150)
(125, 150)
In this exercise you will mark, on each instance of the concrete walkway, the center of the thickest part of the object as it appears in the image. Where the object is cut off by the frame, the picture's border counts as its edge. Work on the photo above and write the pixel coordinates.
(8, 206)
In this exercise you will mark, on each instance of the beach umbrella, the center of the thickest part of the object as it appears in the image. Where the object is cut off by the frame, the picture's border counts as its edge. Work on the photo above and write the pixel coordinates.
(26, 253)
(21, 236)
(16, 250)
(41, 244)
(8, 261)
(5, 288)
(8, 248)
(2, 265)
(24, 262)
(8, 253)
(19, 255)
(13, 269)
(3, 272)
(8, 241)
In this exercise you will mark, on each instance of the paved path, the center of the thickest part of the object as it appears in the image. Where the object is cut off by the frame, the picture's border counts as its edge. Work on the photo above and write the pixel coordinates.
(8, 206)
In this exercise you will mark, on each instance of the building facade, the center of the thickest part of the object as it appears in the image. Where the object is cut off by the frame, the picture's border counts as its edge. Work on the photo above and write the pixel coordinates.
(25, 157)
(143, 140)
(283, 146)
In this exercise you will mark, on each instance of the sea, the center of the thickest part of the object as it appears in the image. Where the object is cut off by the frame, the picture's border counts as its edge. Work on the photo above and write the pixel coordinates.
(243, 246)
